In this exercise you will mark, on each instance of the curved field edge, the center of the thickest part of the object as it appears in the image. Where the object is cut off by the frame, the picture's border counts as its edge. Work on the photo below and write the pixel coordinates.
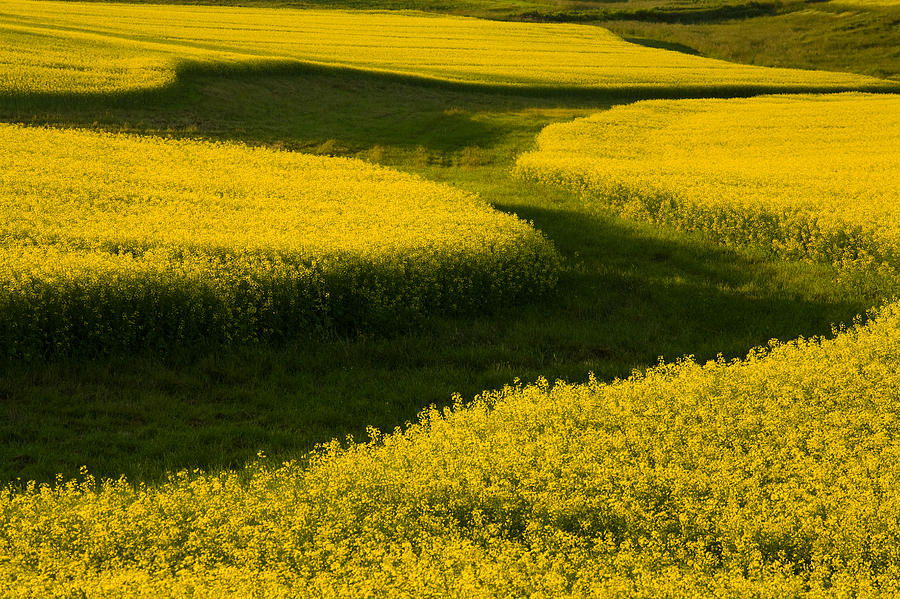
(112, 242)
(136, 49)
(774, 475)
(780, 174)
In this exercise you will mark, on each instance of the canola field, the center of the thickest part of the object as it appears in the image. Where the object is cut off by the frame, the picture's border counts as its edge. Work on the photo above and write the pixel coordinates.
(775, 476)
(119, 241)
(804, 177)
(72, 48)
(45, 60)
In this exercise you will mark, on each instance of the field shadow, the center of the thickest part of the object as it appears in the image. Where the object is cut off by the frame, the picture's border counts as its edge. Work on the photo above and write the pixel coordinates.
(685, 13)
(628, 295)
(300, 106)
(661, 45)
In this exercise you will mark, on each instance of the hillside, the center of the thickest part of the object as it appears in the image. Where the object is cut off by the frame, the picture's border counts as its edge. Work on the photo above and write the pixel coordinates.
(239, 242)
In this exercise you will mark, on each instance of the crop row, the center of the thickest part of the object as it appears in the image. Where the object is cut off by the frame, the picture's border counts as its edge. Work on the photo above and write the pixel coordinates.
(118, 241)
(802, 177)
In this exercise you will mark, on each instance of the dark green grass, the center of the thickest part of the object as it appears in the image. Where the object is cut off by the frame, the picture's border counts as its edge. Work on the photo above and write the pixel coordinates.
(629, 293)
(828, 36)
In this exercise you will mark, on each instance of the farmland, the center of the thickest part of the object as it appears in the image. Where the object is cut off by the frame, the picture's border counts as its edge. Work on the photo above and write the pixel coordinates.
(860, 37)
(120, 47)
(651, 486)
(231, 234)
(785, 174)
(121, 242)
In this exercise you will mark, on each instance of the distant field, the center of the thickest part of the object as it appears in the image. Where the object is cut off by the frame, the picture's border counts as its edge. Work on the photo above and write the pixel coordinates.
(117, 241)
(76, 48)
(776, 476)
(47, 61)
(809, 177)
(835, 36)
(866, 2)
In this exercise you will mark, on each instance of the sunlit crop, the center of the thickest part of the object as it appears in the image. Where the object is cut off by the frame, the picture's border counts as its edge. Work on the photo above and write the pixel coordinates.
(814, 177)
(774, 476)
(71, 47)
(119, 240)
(38, 61)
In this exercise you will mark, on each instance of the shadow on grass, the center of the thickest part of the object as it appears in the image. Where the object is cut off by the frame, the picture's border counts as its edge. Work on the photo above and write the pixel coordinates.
(306, 104)
(660, 45)
(628, 295)
(687, 13)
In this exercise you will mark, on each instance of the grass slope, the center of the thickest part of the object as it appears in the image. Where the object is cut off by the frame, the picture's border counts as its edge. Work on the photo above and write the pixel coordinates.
(632, 293)
(628, 293)
(824, 35)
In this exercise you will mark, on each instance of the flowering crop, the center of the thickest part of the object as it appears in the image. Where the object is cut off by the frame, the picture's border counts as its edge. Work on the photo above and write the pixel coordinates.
(812, 177)
(35, 60)
(72, 47)
(118, 240)
(774, 476)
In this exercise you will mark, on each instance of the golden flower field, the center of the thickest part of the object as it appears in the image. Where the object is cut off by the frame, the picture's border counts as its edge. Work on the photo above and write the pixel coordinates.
(768, 477)
(242, 238)
(125, 47)
(119, 241)
(812, 177)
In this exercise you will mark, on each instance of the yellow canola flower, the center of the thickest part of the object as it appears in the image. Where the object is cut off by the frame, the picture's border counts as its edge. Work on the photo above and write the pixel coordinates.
(773, 476)
(810, 177)
(46, 61)
(118, 240)
(72, 47)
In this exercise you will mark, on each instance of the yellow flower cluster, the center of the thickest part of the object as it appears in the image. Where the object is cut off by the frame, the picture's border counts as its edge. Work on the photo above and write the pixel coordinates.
(119, 240)
(773, 476)
(39, 60)
(119, 47)
(810, 177)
